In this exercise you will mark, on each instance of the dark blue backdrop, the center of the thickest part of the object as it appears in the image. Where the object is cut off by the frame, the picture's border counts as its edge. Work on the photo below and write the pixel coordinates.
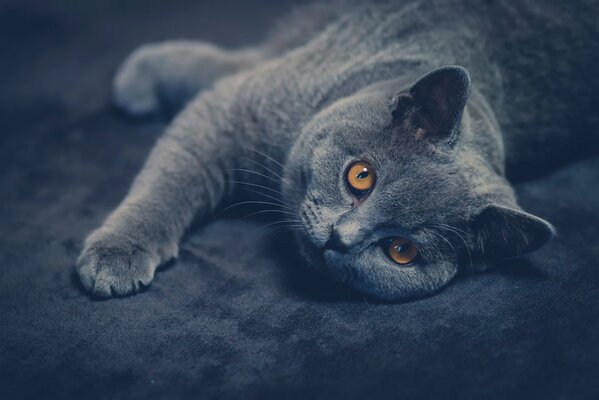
(248, 323)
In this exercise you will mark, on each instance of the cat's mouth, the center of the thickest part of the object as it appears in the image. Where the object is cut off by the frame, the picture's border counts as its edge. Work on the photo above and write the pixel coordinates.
(313, 232)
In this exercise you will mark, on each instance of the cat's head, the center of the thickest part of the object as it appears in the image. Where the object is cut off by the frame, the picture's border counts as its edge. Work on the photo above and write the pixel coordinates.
(398, 188)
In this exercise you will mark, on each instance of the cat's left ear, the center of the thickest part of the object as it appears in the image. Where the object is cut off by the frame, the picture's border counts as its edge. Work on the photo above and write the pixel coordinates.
(503, 232)
(438, 100)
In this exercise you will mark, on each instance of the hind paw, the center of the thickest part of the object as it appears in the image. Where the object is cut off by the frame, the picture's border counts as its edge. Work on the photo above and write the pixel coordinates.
(135, 87)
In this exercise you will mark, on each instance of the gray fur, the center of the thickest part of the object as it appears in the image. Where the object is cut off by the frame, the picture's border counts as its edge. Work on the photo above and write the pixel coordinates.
(292, 113)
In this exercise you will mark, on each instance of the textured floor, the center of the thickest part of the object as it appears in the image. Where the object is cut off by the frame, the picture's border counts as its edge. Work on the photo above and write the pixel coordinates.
(247, 323)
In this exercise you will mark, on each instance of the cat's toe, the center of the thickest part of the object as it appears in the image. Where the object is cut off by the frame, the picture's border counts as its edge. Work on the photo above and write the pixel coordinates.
(134, 86)
(115, 270)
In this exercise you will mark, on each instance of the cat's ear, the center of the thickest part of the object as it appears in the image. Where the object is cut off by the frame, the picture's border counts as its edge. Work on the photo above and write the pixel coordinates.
(438, 99)
(503, 232)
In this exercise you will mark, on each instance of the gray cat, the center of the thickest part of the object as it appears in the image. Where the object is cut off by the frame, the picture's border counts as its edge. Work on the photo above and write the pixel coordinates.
(354, 121)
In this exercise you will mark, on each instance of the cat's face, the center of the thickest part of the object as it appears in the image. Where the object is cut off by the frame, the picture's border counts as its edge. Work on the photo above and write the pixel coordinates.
(387, 201)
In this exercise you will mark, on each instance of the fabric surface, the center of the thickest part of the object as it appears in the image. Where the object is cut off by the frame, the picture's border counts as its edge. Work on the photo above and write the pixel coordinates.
(237, 316)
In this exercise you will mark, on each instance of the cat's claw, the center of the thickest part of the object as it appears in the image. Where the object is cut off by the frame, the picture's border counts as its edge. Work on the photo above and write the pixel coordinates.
(112, 267)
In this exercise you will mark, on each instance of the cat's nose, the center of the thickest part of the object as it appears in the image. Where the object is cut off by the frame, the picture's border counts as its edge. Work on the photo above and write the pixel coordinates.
(346, 232)
(336, 243)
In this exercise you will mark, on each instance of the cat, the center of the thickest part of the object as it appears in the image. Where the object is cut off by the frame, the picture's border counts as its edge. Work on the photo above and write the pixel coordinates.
(383, 132)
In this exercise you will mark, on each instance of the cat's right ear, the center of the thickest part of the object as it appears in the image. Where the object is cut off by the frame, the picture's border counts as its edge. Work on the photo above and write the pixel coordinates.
(435, 102)
(503, 232)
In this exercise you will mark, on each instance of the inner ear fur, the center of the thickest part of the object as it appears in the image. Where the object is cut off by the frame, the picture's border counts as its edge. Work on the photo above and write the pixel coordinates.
(436, 102)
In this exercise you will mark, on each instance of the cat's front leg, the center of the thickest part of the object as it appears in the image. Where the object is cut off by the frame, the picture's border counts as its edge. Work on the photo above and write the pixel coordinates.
(168, 74)
(184, 176)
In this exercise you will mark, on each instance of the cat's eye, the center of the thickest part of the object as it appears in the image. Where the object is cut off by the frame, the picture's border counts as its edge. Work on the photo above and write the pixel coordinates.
(401, 250)
(360, 177)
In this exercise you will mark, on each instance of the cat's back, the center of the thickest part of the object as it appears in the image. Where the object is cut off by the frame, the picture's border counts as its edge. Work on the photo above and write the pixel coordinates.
(547, 54)
(542, 47)
(534, 61)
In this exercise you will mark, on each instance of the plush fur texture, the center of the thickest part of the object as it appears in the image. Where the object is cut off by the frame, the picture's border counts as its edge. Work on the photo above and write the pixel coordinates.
(371, 83)
(237, 315)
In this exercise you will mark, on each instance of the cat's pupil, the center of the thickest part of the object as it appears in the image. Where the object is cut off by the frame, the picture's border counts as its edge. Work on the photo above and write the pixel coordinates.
(363, 175)
(404, 248)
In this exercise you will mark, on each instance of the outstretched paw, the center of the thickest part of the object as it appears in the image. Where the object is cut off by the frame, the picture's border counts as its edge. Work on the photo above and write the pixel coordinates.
(112, 266)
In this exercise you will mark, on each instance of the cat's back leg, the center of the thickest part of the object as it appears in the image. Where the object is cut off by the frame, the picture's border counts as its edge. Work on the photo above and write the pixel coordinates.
(164, 76)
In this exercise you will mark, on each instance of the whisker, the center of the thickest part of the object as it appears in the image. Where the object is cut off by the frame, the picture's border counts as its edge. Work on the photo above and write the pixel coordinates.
(448, 228)
(277, 198)
(269, 196)
(446, 241)
(256, 173)
(270, 211)
(255, 185)
(268, 169)
(285, 221)
(452, 227)
(268, 157)
(437, 250)
(250, 202)
(278, 192)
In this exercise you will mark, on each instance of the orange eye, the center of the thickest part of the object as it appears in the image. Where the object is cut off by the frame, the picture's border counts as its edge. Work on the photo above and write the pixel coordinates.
(360, 176)
(402, 251)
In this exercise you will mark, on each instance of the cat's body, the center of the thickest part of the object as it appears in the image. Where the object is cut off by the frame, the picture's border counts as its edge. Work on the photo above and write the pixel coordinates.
(339, 83)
